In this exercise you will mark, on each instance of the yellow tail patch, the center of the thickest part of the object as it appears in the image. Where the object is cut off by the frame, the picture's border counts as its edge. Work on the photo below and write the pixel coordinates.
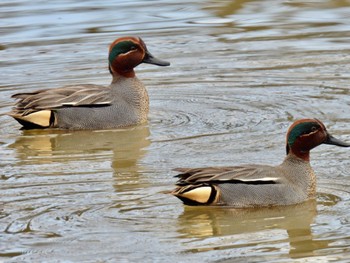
(200, 194)
(41, 118)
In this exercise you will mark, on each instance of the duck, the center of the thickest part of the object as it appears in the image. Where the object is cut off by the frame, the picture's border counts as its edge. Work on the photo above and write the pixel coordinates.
(257, 185)
(123, 103)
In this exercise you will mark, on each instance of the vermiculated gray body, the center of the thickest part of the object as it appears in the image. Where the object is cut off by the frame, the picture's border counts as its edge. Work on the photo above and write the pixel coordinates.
(295, 184)
(124, 103)
(291, 182)
(128, 105)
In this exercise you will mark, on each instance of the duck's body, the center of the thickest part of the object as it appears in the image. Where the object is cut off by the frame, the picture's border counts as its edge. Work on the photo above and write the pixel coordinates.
(248, 185)
(291, 182)
(123, 103)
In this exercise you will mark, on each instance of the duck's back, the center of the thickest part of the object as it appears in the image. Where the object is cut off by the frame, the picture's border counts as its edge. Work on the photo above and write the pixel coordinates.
(248, 185)
(128, 106)
(124, 103)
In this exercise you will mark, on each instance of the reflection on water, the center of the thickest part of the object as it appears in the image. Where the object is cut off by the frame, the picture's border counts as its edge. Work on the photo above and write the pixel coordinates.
(241, 72)
(236, 226)
(129, 142)
(123, 148)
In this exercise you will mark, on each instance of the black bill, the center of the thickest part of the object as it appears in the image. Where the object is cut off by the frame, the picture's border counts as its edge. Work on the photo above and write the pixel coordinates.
(150, 59)
(334, 141)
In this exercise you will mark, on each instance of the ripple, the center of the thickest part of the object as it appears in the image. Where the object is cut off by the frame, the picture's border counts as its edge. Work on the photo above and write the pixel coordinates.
(171, 119)
(334, 191)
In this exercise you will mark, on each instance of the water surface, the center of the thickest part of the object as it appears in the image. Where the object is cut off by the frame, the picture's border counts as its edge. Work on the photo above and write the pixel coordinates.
(241, 72)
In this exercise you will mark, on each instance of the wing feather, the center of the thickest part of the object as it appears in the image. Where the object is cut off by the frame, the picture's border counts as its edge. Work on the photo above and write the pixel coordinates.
(247, 174)
(69, 96)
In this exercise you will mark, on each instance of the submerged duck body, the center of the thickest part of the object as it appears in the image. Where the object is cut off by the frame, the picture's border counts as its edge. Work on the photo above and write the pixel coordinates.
(123, 103)
(291, 182)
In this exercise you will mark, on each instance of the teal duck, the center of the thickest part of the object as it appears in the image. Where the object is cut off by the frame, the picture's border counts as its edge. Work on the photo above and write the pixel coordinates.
(255, 185)
(121, 104)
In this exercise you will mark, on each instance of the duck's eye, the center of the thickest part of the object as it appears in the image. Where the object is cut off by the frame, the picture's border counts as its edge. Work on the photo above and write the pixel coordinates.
(133, 47)
(313, 128)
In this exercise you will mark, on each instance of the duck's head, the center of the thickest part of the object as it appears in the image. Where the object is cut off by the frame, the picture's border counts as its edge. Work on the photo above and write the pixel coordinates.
(126, 53)
(304, 135)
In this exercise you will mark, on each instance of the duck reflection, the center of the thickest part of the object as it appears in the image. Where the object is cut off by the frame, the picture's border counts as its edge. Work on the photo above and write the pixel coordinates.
(125, 147)
(204, 222)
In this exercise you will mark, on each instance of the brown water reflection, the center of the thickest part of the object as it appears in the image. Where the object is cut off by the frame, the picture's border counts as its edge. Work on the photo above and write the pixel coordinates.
(126, 146)
(237, 225)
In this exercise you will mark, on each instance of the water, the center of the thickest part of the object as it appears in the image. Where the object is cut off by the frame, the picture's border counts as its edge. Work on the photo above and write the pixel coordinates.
(241, 72)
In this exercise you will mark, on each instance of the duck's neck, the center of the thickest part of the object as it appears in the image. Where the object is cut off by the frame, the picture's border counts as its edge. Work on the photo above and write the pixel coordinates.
(298, 152)
(117, 77)
(298, 157)
(301, 155)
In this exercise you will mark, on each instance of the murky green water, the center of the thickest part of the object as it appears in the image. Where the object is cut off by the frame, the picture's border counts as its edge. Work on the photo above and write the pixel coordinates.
(241, 72)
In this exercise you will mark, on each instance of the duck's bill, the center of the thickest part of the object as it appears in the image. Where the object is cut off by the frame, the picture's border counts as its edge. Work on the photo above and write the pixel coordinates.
(150, 59)
(334, 141)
